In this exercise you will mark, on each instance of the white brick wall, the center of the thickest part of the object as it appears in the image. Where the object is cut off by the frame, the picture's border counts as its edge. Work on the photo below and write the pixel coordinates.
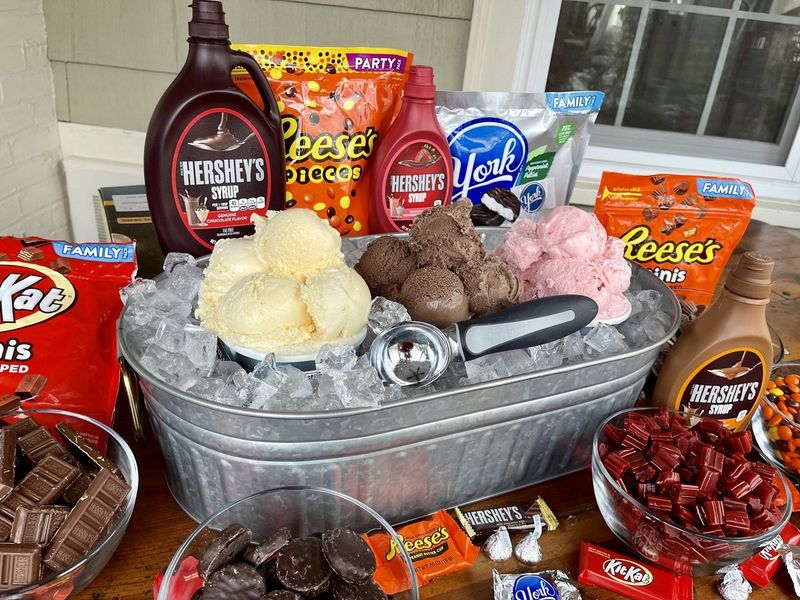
(32, 193)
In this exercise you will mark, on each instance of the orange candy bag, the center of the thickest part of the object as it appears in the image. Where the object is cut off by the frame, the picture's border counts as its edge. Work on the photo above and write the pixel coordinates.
(437, 546)
(335, 105)
(681, 227)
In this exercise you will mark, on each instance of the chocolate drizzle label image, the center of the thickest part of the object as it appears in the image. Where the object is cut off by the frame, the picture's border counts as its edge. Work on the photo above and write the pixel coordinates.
(416, 181)
(727, 386)
(221, 175)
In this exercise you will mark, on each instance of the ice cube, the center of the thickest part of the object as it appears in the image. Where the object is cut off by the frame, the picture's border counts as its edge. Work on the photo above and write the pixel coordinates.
(173, 369)
(209, 388)
(178, 258)
(546, 356)
(605, 339)
(336, 358)
(650, 299)
(654, 330)
(572, 346)
(384, 314)
(636, 305)
(140, 313)
(297, 383)
(634, 333)
(139, 338)
(138, 289)
(268, 371)
(200, 346)
(183, 281)
(225, 370)
(169, 335)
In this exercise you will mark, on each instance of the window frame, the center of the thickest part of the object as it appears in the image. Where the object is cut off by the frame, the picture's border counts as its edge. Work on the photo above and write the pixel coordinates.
(524, 31)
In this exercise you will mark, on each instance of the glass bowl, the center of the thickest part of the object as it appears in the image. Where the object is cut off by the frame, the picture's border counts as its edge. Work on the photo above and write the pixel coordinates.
(58, 586)
(776, 432)
(664, 542)
(305, 511)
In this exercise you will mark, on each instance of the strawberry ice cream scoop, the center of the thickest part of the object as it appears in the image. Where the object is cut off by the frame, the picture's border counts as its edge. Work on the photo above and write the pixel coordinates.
(568, 252)
(569, 231)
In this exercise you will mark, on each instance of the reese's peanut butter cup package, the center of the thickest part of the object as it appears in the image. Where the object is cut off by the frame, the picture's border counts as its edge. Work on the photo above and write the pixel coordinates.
(335, 105)
(681, 227)
(437, 547)
(59, 303)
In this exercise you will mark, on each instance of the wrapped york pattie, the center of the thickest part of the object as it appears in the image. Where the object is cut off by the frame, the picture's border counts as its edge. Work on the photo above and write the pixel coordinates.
(543, 585)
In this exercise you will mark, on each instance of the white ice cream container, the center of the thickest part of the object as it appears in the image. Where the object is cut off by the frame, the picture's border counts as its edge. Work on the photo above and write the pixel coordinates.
(249, 359)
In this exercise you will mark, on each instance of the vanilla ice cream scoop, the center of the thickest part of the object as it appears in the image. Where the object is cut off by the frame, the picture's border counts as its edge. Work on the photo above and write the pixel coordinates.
(338, 301)
(296, 243)
(263, 312)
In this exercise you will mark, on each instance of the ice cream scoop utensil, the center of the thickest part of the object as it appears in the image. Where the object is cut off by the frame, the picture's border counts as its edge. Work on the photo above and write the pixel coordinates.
(416, 353)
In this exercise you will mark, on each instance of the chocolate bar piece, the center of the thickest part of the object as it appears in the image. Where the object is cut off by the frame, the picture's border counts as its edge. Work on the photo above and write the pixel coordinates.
(88, 521)
(482, 523)
(76, 489)
(40, 443)
(9, 402)
(60, 265)
(37, 525)
(46, 482)
(31, 254)
(22, 426)
(80, 447)
(32, 240)
(30, 386)
(20, 564)
(8, 455)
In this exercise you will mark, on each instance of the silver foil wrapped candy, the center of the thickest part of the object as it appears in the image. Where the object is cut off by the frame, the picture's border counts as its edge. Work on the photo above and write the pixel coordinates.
(732, 585)
(528, 551)
(498, 546)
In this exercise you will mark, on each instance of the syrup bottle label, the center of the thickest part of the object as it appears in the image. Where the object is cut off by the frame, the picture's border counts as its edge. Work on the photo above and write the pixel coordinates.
(725, 387)
(220, 176)
(415, 182)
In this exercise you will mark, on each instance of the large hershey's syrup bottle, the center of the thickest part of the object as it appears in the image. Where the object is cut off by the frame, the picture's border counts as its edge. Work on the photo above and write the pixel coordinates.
(720, 364)
(212, 157)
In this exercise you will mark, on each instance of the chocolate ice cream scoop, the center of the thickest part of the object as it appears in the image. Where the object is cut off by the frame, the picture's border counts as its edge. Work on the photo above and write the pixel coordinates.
(444, 236)
(436, 296)
(385, 265)
(491, 285)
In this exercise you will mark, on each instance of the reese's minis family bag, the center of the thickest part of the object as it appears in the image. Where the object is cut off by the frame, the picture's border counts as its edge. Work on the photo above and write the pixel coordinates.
(59, 303)
(335, 104)
(681, 227)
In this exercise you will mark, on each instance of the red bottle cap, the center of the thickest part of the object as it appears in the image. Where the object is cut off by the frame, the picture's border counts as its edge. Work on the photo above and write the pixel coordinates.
(631, 578)
(420, 83)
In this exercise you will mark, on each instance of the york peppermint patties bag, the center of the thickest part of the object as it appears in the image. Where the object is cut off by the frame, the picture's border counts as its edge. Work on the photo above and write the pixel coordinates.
(515, 155)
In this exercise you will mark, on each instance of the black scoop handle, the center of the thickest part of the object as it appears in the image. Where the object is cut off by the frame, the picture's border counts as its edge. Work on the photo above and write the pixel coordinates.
(524, 325)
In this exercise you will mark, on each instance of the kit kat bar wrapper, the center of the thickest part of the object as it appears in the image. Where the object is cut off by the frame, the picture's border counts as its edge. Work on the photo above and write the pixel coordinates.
(761, 568)
(631, 578)
(480, 524)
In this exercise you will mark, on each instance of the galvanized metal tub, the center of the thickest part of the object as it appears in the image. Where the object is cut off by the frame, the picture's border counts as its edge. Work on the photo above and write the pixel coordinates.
(410, 457)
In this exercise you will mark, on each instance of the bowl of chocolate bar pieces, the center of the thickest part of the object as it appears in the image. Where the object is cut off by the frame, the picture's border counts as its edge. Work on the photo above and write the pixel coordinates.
(292, 543)
(68, 486)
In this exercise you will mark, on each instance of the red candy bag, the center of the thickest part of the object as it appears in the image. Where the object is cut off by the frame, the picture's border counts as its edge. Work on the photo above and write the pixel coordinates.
(59, 303)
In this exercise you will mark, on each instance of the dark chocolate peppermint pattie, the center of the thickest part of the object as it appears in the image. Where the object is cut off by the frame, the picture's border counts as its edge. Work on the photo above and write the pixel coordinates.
(497, 206)
(258, 554)
(238, 581)
(368, 590)
(348, 555)
(228, 545)
(302, 567)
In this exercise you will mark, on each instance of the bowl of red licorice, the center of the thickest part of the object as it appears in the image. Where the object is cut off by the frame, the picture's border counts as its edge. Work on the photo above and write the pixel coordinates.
(683, 491)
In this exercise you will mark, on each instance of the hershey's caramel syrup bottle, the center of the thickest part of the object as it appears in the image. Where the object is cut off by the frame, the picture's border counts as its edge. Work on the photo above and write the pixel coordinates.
(212, 157)
(721, 363)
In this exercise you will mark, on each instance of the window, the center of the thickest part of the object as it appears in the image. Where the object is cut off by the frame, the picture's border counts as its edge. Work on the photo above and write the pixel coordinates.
(704, 78)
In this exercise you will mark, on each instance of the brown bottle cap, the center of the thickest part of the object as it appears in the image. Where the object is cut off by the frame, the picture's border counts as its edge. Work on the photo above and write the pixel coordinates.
(752, 277)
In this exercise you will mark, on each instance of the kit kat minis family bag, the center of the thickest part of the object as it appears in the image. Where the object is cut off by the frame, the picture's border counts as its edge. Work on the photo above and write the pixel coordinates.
(59, 303)
(681, 227)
